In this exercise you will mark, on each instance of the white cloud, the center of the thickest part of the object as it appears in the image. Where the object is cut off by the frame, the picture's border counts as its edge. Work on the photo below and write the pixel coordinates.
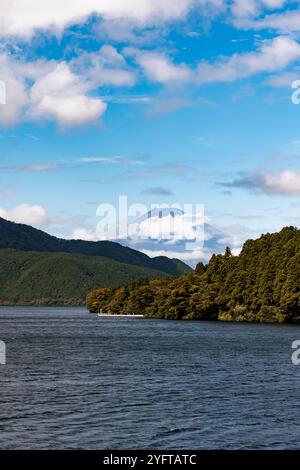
(37, 167)
(159, 68)
(233, 236)
(16, 95)
(26, 214)
(118, 160)
(250, 8)
(178, 227)
(284, 79)
(188, 256)
(215, 241)
(47, 90)
(68, 93)
(70, 111)
(61, 95)
(285, 182)
(34, 167)
(61, 91)
(272, 56)
(82, 233)
(285, 22)
(241, 8)
(273, 4)
(23, 17)
(104, 67)
(115, 77)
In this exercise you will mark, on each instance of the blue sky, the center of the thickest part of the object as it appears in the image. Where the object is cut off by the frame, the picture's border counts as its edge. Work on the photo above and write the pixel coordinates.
(186, 101)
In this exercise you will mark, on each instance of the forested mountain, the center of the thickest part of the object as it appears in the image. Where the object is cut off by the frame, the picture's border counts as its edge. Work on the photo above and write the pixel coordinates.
(37, 268)
(261, 284)
(35, 278)
(26, 238)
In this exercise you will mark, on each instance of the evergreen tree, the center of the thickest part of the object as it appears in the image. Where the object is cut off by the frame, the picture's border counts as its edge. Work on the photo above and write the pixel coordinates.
(261, 284)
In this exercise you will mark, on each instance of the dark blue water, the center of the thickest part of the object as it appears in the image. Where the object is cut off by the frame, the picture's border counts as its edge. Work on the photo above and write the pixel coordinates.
(77, 381)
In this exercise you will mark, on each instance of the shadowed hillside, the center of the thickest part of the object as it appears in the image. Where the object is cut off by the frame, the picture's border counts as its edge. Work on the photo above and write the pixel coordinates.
(60, 278)
(37, 268)
(26, 238)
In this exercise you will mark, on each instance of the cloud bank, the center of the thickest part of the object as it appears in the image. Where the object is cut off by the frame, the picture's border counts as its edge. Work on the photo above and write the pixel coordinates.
(285, 182)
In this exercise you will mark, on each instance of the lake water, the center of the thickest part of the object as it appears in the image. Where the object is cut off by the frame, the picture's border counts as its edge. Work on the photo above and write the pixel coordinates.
(75, 381)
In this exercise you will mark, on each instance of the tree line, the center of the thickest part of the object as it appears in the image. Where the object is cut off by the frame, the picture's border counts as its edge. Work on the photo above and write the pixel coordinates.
(262, 284)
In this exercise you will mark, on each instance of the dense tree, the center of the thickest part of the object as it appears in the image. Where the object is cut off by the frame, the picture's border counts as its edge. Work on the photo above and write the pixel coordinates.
(261, 284)
(29, 278)
(200, 268)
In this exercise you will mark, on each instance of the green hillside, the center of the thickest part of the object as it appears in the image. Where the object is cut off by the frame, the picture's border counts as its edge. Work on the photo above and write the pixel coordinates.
(262, 284)
(26, 238)
(60, 278)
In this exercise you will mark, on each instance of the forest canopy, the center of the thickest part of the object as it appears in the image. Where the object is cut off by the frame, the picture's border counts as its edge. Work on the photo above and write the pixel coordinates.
(261, 284)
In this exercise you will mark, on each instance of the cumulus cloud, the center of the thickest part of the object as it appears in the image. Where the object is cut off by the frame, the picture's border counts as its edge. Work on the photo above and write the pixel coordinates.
(62, 95)
(244, 8)
(69, 111)
(64, 225)
(286, 182)
(104, 67)
(215, 240)
(47, 90)
(172, 237)
(233, 236)
(25, 214)
(24, 17)
(249, 8)
(284, 22)
(68, 92)
(189, 257)
(16, 95)
(272, 56)
(65, 92)
(173, 228)
(82, 233)
(158, 67)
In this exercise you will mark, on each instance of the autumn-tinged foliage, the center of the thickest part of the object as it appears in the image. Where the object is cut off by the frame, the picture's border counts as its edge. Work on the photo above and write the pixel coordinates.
(261, 284)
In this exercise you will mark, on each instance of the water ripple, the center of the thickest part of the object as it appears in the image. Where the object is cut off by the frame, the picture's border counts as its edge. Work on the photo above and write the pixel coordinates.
(74, 381)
